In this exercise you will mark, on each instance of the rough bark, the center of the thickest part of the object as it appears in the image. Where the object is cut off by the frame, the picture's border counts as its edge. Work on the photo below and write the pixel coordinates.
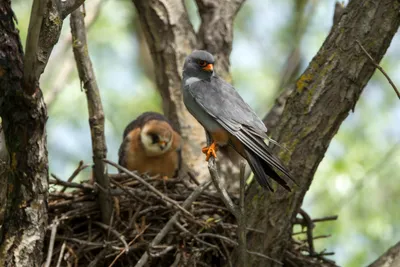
(316, 106)
(390, 258)
(24, 117)
(4, 161)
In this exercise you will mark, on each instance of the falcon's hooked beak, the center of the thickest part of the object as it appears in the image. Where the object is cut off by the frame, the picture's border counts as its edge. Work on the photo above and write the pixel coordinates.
(162, 144)
(209, 67)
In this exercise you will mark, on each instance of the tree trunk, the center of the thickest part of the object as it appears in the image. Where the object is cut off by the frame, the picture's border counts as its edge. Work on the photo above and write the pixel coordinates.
(390, 258)
(24, 117)
(316, 106)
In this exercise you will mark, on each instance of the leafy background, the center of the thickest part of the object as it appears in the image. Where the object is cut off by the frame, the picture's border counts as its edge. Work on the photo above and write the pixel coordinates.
(358, 178)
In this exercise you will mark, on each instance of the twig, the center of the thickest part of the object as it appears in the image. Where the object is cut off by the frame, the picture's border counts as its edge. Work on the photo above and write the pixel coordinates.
(51, 243)
(321, 236)
(114, 232)
(149, 186)
(80, 168)
(182, 228)
(242, 218)
(128, 192)
(310, 225)
(86, 243)
(227, 254)
(96, 114)
(58, 181)
(161, 253)
(221, 189)
(61, 254)
(129, 244)
(327, 218)
(264, 256)
(177, 259)
(224, 238)
(73, 255)
(101, 255)
(171, 222)
(379, 68)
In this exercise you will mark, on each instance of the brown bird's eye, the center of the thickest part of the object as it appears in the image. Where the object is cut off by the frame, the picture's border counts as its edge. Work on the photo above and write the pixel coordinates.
(202, 63)
(154, 138)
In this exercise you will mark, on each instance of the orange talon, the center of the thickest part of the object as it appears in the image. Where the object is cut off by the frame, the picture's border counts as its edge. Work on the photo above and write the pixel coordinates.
(165, 178)
(210, 151)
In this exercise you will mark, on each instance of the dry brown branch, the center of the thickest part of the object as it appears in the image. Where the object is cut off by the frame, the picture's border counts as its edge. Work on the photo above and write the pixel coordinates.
(380, 69)
(220, 187)
(52, 239)
(59, 181)
(129, 244)
(80, 168)
(242, 229)
(310, 226)
(96, 114)
(264, 256)
(115, 233)
(61, 254)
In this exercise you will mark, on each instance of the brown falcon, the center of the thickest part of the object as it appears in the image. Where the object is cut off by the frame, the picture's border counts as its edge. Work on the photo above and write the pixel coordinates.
(150, 145)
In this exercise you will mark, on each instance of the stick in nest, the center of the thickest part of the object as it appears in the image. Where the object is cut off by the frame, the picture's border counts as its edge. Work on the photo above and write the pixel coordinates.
(143, 260)
(162, 196)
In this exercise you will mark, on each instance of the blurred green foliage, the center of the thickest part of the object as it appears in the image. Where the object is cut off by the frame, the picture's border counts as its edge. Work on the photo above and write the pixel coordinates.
(358, 178)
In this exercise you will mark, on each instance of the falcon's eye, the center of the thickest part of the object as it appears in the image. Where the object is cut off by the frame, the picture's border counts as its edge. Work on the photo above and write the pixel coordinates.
(202, 63)
(154, 138)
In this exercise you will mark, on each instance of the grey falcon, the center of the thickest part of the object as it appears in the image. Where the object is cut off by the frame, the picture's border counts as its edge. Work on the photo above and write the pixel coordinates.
(228, 119)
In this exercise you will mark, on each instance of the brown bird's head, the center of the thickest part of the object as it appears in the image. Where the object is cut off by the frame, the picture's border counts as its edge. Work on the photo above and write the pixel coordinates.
(156, 137)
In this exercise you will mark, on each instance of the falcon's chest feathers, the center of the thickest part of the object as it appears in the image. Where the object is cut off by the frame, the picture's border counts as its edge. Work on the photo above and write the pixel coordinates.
(152, 149)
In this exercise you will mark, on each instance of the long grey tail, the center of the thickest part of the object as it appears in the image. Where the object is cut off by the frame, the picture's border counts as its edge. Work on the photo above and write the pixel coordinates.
(262, 171)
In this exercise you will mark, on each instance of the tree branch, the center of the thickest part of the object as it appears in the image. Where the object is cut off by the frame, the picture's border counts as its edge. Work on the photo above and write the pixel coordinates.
(316, 106)
(96, 114)
(44, 31)
(69, 6)
(390, 258)
(380, 69)
(216, 31)
(242, 229)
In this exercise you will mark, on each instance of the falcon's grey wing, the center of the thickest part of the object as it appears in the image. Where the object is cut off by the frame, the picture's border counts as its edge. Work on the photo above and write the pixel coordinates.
(222, 102)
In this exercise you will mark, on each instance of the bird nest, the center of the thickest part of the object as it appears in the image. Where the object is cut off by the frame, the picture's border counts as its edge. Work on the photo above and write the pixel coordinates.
(155, 222)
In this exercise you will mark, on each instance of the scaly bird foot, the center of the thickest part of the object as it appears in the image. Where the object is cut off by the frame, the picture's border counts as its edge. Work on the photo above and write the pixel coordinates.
(210, 151)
